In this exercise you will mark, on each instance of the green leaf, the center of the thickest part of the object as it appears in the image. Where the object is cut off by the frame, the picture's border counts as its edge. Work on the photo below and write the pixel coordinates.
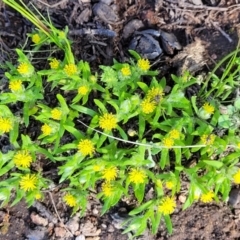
(139, 190)
(84, 110)
(134, 54)
(63, 103)
(141, 208)
(76, 133)
(100, 105)
(164, 158)
(168, 223)
(6, 168)
(156, 222)
(213, 163)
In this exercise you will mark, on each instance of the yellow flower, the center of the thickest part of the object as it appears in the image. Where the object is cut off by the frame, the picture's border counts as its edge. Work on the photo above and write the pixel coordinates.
(126, 71)
(28, 182)
(83, 90)
(168, 142)
(70, 200)
(110, 174)
(25, 69)
(155, 94)
(169, 185)
(36, 38)
(46, 129)
(207, 197)
(238, 145)
(167, 206)
(236, 177)
(208, 139)
(174, 134)
(108, 121)
(137, 176)
(143, 64)
(15, 85)
(208, 108)
(22, 159)
(85, 147)
(54, 64)
(148, 106)
(5, 125)
(70, 69)
(56, 114)
(96, 168)
(38, 196)
(107, 189)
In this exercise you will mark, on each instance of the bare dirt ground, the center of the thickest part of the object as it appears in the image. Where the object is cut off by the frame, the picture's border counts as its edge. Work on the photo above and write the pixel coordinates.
(101, 33)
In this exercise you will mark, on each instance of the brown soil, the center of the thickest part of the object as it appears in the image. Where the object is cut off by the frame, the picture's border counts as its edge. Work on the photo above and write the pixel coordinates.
(214, 25)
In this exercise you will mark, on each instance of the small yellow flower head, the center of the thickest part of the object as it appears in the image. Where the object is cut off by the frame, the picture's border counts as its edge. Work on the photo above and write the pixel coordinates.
(107, 189)
(110, 174)
(236, 177)
(5, 125)
(208, 108)
(208, 139)
(38, 196)
(22, 159)
(70, 200)
(83, 90)
(207, 197)
(167, 206)
(174, 134)
(168, 142)
(85, 147)
(155, 94)
(108, 121)
(126, 71)
(25, 69)
(46, 129)
(148, 106)
(137, 176)
(169, 185)
(70, 69)
(143, 64)
(56, 114)
(54, 63)
(28, 182)
(96, 168)
(36, 38)
(15, 85)
(238, 145)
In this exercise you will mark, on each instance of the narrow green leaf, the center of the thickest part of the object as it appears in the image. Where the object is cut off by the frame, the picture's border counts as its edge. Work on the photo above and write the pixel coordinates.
(213, 163)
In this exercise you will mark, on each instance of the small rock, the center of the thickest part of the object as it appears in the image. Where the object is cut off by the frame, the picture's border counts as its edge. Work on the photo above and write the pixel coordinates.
(38, 220)
(95, 211)
(60, 232)
(110, 228)
(131, 27)
(36, 235)
(182, 198)
(234, 197)
(80, 237)
(105, 12)
(104, 226)
(73, 224)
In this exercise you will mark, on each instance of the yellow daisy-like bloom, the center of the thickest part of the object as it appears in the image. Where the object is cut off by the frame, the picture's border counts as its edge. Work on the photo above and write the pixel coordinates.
(5, 125)
(174, 134)
(56, 114)
(110, 174)
(107, 189)
(208, 139)
(36, 38)
(70, 200)
(208, 108)
(126, 71)
(155, 92)
(168, 142)
(169, 185)
(54, 64)
(38, 196)
(167, 206)
(143, 64)
(207, 197)
(22, 159)
(108, 121)
(85, 147)
(148, 106)
(25, 69)
(83, 90)
(137, 176)
(236, 177)
(238, 145)
(46, 129)
(15, 85)
(70, 69)
(96, 168)
(28, 182)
